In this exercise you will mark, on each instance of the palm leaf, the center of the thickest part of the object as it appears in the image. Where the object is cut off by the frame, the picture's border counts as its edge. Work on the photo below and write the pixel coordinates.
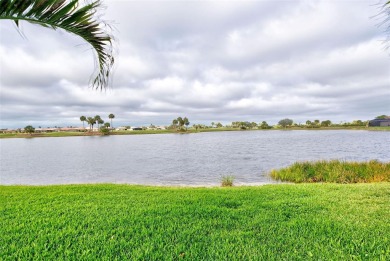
(385, 12)
(76, 19)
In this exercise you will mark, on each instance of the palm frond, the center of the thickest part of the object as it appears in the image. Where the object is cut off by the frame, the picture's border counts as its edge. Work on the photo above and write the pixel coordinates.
(76, 19)
(385, 12)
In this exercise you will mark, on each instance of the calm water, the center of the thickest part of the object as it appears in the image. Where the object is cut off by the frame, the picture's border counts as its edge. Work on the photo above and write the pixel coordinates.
(179, 159)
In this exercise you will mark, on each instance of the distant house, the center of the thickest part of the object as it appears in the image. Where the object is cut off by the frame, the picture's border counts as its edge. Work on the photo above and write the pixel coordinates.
(136, 128)
(71, 129)
(121, 128)
(380, 122)
(46, 130)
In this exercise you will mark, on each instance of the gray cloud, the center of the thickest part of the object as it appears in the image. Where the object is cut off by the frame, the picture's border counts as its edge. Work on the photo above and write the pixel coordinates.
(208, 60)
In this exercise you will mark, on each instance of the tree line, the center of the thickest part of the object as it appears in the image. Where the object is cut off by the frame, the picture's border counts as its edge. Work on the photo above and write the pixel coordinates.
(99, 121)
(179, 123)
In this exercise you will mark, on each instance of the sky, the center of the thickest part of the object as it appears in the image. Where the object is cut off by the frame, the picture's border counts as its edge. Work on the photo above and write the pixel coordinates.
(211, 61)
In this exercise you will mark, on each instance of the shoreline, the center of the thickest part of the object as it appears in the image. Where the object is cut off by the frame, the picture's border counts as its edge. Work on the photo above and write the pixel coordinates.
(150, 132)
(217, 185)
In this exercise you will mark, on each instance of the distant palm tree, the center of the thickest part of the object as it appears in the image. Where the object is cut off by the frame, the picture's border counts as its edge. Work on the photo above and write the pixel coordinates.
(100, 121)
(180, 121)
(97, 119)
(68, 15)
(83, 118)
(91, 121)
(111, 116)
(174, 123)
(186, 122)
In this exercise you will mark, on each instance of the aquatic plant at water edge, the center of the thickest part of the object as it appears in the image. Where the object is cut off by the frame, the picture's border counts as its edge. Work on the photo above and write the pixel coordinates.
(227, 181)
(334, 171)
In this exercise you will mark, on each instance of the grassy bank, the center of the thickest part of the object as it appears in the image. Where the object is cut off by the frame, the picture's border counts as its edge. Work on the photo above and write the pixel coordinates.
(66, 134)
(334, 171)
(290, 222)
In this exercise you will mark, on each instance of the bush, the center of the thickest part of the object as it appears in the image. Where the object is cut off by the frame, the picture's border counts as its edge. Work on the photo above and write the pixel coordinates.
(227, 181)
(104, 130)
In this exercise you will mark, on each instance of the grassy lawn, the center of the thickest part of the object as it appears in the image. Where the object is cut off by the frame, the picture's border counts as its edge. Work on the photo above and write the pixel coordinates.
(289, 222)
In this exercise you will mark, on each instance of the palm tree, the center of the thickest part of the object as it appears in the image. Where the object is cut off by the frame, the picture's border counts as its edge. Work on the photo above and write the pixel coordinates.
(97, 119)
(82, 118)
(91, 121)
(180, 121)
(111, 116)
(186, 122)
(100, 121)
(71, 17)
(174, 123)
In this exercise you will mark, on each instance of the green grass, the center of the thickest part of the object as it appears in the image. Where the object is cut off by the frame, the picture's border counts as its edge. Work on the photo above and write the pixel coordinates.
(120, 222)
(62, 134)
(379, 128)
(8, 135)
(334, 171)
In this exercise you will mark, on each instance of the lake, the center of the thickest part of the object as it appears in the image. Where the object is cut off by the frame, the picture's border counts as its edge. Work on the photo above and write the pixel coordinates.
(179, 159)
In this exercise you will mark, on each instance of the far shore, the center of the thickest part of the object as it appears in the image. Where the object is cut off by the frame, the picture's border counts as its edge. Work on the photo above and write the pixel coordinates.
(189, 131)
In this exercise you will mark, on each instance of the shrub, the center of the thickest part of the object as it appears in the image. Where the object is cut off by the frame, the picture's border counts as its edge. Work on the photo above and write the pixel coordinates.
(227, 181)
(104, 130)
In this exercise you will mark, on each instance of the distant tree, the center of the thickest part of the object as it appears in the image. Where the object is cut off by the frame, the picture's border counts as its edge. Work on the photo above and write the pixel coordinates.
(212, 124)
(186, 122)
(91, 121)
(309, 123)
(100, 121)
(253, 125)
(382, 117)
(357, 123)
(317, 122)
(285, 123)
(174, 123)
(180, 121)
(82, 118)
(107, 125)
(29, 129)
(111, 116)
(245, 125)
(326, 123)
(219, 125)
(97, 119)
(264, 125)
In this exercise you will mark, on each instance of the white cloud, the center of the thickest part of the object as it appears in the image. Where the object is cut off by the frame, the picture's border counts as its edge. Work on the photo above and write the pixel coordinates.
(208, 60)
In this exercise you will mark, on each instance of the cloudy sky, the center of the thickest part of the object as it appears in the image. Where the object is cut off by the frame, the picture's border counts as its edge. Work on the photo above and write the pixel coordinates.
(207, 60)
